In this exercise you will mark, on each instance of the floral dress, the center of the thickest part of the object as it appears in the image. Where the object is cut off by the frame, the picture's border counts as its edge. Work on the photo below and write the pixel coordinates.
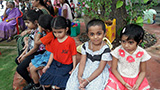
(92, 63)
(128, 67)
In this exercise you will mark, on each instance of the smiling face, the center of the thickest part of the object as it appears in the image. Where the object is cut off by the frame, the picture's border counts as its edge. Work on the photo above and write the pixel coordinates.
(96, 34)
(129, 45)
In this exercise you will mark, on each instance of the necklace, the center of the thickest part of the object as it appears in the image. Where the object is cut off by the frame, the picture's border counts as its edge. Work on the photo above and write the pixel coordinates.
(99, 48)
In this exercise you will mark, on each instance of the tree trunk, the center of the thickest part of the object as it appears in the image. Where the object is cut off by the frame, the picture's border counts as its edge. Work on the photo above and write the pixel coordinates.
(119, 14)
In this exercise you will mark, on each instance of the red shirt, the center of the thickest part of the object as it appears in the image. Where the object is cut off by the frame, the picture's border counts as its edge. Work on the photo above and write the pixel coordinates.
(63, 52)
(46, 40)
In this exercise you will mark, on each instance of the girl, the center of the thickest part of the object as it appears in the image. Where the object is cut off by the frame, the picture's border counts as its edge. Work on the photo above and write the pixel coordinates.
(129, 61)
(41, 60)
(92, 71)
(25, 58)
(66, 10)
(62, 60)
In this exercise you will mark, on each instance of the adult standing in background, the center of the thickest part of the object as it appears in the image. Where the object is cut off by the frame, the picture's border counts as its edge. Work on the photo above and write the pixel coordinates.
(66, 10)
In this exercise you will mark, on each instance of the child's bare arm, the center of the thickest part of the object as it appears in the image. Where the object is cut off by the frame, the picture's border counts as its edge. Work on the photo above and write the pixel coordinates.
(81, 67)
(141, 75)
(49, 63)
(116, 73)
(74, 63)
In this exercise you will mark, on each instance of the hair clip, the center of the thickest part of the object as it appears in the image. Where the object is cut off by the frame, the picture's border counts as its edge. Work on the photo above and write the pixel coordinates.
(124, 30)
(36, 9)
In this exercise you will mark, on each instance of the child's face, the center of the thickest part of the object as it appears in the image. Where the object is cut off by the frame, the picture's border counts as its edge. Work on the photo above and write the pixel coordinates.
(129, 45)
(96, 34)
(59, 33)
(31, 25)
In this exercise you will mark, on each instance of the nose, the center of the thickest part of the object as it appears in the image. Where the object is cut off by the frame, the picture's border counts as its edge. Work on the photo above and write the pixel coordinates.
(126, 44)
(95, 36)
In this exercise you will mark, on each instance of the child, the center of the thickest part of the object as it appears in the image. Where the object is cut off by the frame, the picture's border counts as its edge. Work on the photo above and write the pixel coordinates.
(62, 60)
(25, 57)
(92, 71)
(41, 60)
(129, 61)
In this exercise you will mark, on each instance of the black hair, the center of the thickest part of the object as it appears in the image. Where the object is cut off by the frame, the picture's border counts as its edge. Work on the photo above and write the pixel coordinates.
(61, 23)
(45, 21)
(33, 15)
(95, 22)
(12, 3)
(133, 31)
(50, 8)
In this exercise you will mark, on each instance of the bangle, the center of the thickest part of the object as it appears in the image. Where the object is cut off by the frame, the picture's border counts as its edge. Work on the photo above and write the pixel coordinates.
(87, 80)
(40, 33)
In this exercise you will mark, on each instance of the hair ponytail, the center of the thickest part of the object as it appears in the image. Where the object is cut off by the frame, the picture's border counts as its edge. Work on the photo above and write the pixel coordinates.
(69, 26)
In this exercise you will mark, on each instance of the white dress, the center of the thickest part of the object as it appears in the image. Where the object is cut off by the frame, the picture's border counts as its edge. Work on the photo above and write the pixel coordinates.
(92, 63)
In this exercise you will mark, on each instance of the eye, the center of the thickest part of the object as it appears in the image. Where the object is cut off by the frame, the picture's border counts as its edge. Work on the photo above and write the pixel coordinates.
(130, 42)
(123, 41)
(99, 33)
(91, 34)
(59, 31)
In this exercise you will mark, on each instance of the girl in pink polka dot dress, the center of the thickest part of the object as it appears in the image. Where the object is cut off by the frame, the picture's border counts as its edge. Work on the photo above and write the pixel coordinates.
(129, 62)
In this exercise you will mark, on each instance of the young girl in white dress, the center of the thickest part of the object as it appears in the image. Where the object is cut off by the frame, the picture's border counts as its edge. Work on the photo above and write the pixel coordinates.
(92, 71)
(129, 61)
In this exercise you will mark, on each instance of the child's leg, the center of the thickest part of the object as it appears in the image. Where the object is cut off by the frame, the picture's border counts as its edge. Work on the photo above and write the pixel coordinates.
(35, 76)
(34, 73)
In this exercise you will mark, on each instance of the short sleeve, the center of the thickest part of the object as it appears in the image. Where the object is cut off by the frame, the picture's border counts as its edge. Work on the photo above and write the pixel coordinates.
(154, 12)
(115, 52)
(106, 56)
(47, 39)
(73, 47)
(83, 49)
(145, 57)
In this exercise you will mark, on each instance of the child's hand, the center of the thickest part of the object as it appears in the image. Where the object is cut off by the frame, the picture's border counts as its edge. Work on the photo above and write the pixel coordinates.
(71, 71)
(80, 79)
(21, 59)
(135, 87)
(25, 46)
(45, 69)
(128, 86)
(83, 84)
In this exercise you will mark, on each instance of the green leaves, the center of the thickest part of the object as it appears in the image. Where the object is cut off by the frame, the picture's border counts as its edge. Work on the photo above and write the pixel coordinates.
(145, 1)
(139, 20)
(119, 4)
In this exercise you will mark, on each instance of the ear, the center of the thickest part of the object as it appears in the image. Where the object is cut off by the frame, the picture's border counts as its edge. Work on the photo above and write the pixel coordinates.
(67, 29)
(139, 42)
(105, 34)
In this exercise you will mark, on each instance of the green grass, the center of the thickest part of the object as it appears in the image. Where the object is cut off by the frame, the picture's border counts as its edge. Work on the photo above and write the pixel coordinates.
(7, 65)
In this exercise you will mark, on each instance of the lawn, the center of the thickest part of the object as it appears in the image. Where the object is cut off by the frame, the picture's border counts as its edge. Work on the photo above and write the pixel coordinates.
(7, 64)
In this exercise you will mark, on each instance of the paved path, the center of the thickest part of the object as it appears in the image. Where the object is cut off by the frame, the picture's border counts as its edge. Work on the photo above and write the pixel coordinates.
(153, 66)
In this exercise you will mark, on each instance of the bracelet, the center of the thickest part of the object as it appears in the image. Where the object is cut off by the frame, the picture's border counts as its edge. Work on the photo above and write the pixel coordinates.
(87, 80)
(40, 33)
